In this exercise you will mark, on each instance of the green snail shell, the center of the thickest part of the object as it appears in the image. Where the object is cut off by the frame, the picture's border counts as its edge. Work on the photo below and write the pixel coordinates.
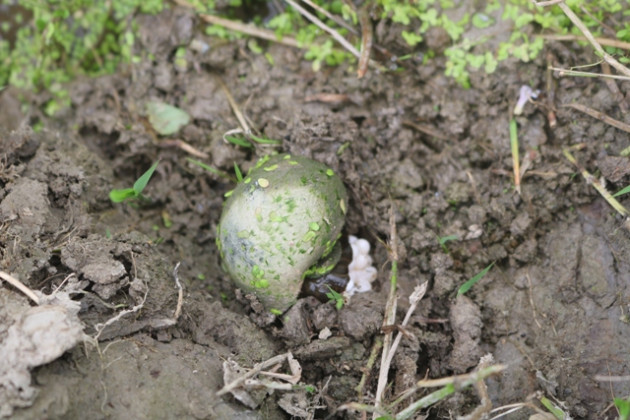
(278, 225)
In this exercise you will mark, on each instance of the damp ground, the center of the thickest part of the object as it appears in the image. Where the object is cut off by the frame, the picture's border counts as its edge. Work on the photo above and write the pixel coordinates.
(553, 307)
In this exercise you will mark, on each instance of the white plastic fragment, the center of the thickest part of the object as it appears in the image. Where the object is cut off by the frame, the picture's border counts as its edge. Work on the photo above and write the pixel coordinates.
(360, 270)
(525, 94)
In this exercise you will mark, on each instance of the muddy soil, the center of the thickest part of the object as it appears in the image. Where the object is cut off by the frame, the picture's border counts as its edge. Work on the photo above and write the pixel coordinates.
(553, 308)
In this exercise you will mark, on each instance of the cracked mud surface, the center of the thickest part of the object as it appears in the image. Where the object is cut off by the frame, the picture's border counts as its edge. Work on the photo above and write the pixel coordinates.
(554, 307)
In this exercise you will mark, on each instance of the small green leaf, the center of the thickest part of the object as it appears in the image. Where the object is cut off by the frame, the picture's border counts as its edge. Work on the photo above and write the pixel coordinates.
(142, 182)
(237, 171)
(622, 191)
(166, 119)
(623, 406)
(335, 297)
(239, 141)
(264, 140)
(444, 239)
(118, 196)
(470, 283)
(209, 168)
(411, 38)
(557, 412)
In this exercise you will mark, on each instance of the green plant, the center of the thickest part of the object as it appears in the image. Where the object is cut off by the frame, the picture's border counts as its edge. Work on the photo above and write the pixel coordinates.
(118, 196)
(335, 297)
(622, 191)
(623, 406)
(66, 38)
(470, 283)
(442, 240)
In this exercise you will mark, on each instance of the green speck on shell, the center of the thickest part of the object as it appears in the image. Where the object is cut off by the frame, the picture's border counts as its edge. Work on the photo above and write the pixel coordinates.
(273, 235)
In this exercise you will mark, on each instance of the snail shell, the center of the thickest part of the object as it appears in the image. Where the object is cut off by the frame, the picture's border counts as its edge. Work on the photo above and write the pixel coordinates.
(277, 224)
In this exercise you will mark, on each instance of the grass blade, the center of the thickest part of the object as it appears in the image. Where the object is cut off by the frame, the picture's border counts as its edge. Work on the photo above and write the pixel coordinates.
(237, 171)
(142, 182)
(210, 169)
(623, 191)
(470, 283)
(118, 196)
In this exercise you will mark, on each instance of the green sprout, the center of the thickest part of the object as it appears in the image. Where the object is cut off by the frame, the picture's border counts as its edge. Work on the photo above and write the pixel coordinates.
(118, 196)
(553, 409)
(335, 297)
(210, 169)
(470, 283)
(622, 191)
(623, 406)
(442, 240)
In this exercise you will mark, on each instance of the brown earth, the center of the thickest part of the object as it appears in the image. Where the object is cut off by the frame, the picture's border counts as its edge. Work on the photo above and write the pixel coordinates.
(554, 307)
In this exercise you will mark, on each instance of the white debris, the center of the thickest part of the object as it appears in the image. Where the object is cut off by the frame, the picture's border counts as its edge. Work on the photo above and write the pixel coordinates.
(325, 333)
(360, 270)
(32, 336)
(524, 95)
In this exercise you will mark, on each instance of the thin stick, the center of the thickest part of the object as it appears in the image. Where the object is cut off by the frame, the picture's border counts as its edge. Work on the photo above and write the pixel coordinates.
(101, 327)
(602, 41)
(348, 46)
(415, 297)
(68, 277)
(590, 179)
(565, 72)
(551, 114)
(515, 158)
(367, 37)
(235, 108)
(601, 116)
(390, 315)
(184, 146)
(547, 3)
(256, 369)
(451, 385)
(378, 343)
(20, 286)
(332, 17)
(589, 36)
(242, 27)
(180, 293)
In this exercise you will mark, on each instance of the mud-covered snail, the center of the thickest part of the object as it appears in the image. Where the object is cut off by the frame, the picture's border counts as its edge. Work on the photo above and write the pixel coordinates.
(280, 225)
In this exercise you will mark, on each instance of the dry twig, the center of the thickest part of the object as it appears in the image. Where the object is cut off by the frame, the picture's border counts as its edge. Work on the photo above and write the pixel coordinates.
(244, 28)
(607, 42)
(181, 144)
(570, 72)
(180, 293)
(367, 39)
(235, 109)
(255, 370)
(390, 315)
(590, 179)
(589, 36)
(601, 116)
(20, 286)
